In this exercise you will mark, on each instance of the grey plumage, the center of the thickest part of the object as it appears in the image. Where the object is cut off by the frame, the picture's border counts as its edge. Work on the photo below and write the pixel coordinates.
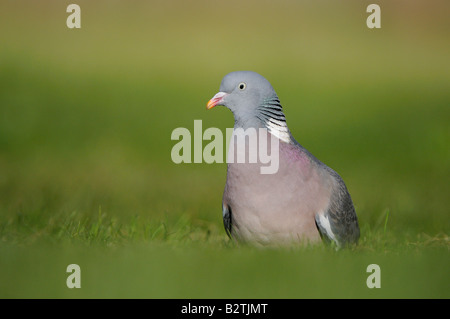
(303, 201)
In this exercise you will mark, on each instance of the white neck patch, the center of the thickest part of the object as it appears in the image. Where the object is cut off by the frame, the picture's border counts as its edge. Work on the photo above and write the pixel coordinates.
(279, 129)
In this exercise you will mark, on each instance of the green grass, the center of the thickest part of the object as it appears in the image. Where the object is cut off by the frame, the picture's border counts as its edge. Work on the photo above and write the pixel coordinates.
(85, 170)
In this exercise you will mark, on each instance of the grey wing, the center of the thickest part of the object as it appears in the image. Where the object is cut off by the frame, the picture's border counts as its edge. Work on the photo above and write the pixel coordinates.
(339, 222)
(227, 218)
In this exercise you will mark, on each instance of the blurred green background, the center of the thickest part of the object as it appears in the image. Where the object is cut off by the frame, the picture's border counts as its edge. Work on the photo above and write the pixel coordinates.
(86, 117)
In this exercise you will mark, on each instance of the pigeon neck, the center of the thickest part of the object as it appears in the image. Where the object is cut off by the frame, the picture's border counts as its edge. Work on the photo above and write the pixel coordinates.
(270, 113)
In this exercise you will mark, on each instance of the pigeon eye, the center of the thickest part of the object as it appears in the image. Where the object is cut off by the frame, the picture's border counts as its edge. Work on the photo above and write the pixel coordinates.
(242, 86)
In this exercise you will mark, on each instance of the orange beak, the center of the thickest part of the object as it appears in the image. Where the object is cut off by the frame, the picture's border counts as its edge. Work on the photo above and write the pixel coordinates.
(216, 100)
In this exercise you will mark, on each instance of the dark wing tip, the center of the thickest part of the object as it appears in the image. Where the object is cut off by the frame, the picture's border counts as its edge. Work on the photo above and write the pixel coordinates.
(227, 219)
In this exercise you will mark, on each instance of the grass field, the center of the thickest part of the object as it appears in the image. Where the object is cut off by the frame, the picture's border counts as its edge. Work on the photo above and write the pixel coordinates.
(86, 117)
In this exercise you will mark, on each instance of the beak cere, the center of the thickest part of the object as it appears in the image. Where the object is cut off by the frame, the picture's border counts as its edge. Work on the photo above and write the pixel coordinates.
(216, 100)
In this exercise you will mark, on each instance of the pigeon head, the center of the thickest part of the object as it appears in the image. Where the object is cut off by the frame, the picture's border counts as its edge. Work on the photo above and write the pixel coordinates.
(253, 102)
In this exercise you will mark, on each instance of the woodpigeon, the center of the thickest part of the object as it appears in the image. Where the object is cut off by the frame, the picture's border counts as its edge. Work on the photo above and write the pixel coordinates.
(303, 202)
